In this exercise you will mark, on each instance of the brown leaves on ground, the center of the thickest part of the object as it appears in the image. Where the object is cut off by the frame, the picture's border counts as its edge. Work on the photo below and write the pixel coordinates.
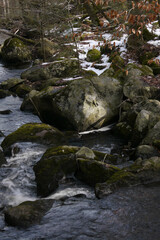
(152, 80)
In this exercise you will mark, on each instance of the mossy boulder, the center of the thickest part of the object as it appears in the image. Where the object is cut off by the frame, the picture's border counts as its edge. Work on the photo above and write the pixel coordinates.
(22, 90)
(119, 179)
(145, 57)
(146, 151)
(155, 67)
(147, 35)
(46, 50)
(93, 55)
(11, 83)
(136, 89)
(92, 172)
(27, 104)
(117, 62)
(55, 164)
(15, 51)
(83, 104)
(5, 93)
(34, 132)
(27, 213)
(60, 68)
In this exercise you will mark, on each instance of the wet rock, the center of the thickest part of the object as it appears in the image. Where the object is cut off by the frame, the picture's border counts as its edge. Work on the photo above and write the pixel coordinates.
(4, 93)
(11, 83)
(22, 90)
(28, 213)
(146, 151)
(55, 164)
(15, 51)
(5, 112)
(85, 152)
(84, 104)
(61, 68)
(141, 172)
(119, 179)
(33, 132)
(28, 104)
(92, 172)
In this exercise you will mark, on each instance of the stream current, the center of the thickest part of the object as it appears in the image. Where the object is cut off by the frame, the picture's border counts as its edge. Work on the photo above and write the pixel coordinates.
(128, 214)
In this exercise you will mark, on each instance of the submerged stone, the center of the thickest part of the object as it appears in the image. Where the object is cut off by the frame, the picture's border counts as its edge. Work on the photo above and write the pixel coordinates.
(28, 213)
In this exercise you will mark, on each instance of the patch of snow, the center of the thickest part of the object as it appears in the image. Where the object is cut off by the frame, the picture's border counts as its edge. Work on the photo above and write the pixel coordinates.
(154, 42)
(103, 129)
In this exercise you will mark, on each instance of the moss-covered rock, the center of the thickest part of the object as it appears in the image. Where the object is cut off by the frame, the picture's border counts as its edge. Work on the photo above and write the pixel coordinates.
(5, 93)
(92, 172)
(55, 164)
(61, 68)
(27, 104)
(146, 151)
(147, 35)
(93, 55)
(15, 51)
(136, 89)
(27, 213)
(117, 62)
(46, 49)
(119, 179)
(11, 83)
(145, 57)
(22, 90)
(83, 104)
(34, 132)
(141, 172)
(155, 67)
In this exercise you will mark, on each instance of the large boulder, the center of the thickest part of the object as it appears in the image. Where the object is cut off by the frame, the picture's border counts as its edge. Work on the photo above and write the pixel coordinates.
(33, 132)
(27, 213)
(60, 68)
(82, 105)
(134, 87)
(15, 51)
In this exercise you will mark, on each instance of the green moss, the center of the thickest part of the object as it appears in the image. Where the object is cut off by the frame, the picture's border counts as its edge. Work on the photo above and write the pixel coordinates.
(93, 55)
(92, 172)
(121, 177)
(55, 164)
(147, 36)
(145, 57)
(33, 132)
(155, 67)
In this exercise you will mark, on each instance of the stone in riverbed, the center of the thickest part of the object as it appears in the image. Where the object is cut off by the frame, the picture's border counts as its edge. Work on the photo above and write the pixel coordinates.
(28, 213)
(84, 104)
(15, 51)
(33, 132)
